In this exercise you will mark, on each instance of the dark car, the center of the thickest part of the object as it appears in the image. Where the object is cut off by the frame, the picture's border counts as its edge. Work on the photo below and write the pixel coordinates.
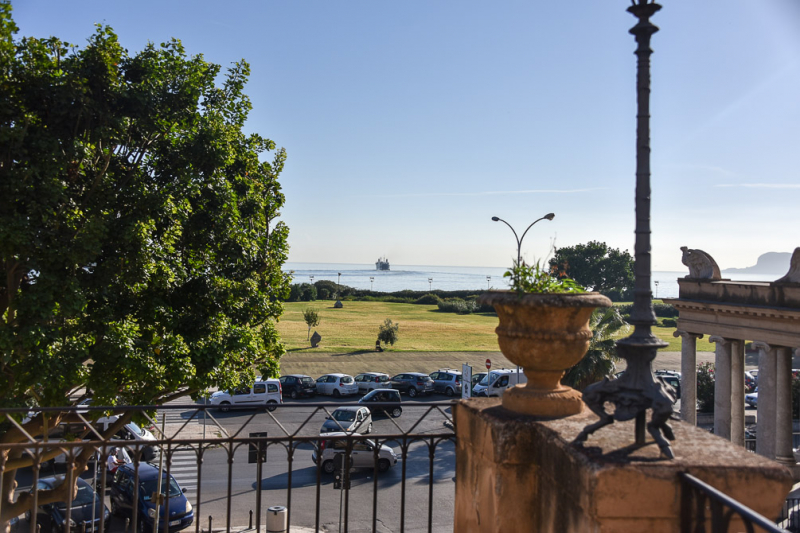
(181, 514)
(413, 383)
(297, 385)
(447, 381)
(383, 396)
(87, 508)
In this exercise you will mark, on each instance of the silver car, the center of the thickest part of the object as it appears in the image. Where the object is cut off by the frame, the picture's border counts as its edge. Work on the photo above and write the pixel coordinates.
(348, 419)
(361, 456)
(336, 385)
(369, 381)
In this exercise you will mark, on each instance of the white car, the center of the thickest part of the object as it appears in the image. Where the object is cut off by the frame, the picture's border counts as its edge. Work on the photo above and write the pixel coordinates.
(369, 381)
(262, 393)
(752, 398)
(362, 455)
(336, 385)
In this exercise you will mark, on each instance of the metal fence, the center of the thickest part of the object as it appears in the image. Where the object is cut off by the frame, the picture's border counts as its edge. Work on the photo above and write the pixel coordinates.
(348, 471)
(789, 518)
(704, 508)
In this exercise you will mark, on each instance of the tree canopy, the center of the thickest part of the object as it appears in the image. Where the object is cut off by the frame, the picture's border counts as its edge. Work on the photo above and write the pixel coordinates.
(140, 254)
(597, 267)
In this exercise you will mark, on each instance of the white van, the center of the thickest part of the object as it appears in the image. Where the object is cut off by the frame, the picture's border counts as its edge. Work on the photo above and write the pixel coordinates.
(263, 392)
(497, 381)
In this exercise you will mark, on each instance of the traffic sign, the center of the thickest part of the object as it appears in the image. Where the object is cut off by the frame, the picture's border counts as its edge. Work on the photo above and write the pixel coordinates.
(488, 364)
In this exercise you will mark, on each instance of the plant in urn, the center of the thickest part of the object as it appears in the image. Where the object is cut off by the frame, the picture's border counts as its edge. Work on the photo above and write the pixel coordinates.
(544, 328)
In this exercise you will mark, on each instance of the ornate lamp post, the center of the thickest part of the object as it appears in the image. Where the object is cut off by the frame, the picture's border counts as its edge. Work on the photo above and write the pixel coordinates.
(548, 216)
(371, 280)
(637, 389)
(312, 279)
(488, 280)
(430, 284)
(656, 289)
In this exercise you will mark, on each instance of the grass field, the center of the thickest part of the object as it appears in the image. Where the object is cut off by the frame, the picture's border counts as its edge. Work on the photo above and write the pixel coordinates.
(354, 328)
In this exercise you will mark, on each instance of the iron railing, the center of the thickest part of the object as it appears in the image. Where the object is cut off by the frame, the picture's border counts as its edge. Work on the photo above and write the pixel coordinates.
(704, 508)
(789, 519)
(422, 440)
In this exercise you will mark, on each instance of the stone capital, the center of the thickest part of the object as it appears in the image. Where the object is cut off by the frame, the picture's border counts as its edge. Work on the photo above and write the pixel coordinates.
(686, 334)
(719, 340)
(762, 346)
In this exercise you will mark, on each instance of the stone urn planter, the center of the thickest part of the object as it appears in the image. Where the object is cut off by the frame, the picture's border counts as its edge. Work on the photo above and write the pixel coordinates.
(545, 334)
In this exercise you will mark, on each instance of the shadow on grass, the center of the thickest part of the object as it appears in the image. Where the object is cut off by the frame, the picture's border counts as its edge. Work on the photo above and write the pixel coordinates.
(334, 354)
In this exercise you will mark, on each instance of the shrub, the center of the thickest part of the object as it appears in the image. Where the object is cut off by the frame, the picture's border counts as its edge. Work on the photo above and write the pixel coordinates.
(665, 310)
(705, 387)
(387, 332)
(302, 292)
(457, 305)
(669, 322)
(428, 299)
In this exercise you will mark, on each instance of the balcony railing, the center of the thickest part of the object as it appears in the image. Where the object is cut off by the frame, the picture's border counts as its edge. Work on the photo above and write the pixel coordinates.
(238, 463)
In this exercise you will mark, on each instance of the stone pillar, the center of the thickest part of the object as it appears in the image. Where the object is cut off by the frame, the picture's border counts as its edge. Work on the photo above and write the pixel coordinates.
(767, 368)
(722, 387)
(737, 392)
(522, 473)
(688, 375)
(783, 407)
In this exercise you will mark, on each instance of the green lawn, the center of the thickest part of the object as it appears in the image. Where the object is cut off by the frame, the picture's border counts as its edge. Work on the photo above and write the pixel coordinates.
(355, 328)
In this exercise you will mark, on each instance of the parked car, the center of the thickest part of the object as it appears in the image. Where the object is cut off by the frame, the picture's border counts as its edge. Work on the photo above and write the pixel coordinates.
(497, 381)
(349, 419)
(476, 378)
(336, 385)
(671, 378)
(361, 456)
(262, 392)
(413, 383)
(752, 398)
(368, 381)
(123, 492)
(446, 381)
(750, 380)
(298, 385)
(85, 512)
(383, 396)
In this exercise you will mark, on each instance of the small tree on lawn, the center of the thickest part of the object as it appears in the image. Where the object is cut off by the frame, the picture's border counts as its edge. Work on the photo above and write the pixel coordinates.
(312, 319)
(387, 332)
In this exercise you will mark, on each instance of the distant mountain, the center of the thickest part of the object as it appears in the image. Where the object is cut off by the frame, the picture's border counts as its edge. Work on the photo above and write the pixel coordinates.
(768, 263)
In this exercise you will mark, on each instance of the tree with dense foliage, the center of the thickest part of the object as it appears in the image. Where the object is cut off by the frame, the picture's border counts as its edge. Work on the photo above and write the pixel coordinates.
(387, 332)
(140, 256)
(599, 362)
(597, 267)
(705, 387)
(312, 319)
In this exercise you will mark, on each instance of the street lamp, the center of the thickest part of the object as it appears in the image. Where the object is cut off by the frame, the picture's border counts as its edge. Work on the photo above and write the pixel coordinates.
(312, 279)
(548, 216)
(656, 282)
(488, 279)
(338, 289)
(430, 283)
(371, 279)
(637, 389)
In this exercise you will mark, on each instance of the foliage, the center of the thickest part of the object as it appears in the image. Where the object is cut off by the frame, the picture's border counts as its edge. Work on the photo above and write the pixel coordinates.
(387, 332)
(533, 279)
(705, 387)
(597, 267)
(599, 361)
(669, 322)
(311, 318)
(795, 396)
(660, 310)
(458, 306)
(428, 299)
(140, 254)
(302, 292)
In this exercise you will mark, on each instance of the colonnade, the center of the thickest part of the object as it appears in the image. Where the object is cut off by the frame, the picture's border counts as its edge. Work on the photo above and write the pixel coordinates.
(774, 433)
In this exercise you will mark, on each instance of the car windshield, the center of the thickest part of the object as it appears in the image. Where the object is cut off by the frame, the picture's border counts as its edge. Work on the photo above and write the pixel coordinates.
(307, 380)
(85, 496)
(135, 429)
(347, 380)
(344, 416)
(149, 486)
(485, 381)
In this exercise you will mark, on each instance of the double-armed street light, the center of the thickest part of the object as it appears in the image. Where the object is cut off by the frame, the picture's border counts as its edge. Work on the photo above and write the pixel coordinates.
(312, 279)
(338, 288)
(488, 279)
(548, 216)
(371, 280)
(430, 283)
(656, 289)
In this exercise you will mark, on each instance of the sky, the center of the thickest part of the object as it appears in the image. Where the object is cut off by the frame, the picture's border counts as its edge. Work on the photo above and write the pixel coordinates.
(408, 125)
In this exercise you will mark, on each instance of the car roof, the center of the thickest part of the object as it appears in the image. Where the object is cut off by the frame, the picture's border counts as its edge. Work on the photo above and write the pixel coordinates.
(349, 408)
(337, 374)
(52, 480)
(382, 390)
(295, 376)
(146, 470)
(373, 373)
(339, 434)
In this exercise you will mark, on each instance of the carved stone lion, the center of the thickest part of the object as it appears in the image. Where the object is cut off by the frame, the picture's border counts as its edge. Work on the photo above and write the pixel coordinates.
(793, 276)
(701, 265)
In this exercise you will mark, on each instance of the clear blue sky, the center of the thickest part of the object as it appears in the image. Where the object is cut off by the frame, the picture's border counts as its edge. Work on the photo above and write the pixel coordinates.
(408, 125)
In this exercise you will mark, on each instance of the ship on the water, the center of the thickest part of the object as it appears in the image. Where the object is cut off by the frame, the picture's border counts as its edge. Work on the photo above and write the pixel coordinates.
(382, 264)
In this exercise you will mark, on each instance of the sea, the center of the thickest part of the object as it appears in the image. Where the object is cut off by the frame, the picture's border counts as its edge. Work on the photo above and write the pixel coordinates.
(451, 278)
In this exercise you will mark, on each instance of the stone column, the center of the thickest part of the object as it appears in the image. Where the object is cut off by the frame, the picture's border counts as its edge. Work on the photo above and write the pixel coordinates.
(688, 375)
(767, 368)
(783, 407)
(722, 387)
(737, 392)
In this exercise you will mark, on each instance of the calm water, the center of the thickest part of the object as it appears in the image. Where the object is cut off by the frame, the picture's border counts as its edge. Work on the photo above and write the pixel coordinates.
(449, 278)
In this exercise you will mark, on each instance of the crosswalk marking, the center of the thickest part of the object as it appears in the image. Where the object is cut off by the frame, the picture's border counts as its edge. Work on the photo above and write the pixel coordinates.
(184, 470)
